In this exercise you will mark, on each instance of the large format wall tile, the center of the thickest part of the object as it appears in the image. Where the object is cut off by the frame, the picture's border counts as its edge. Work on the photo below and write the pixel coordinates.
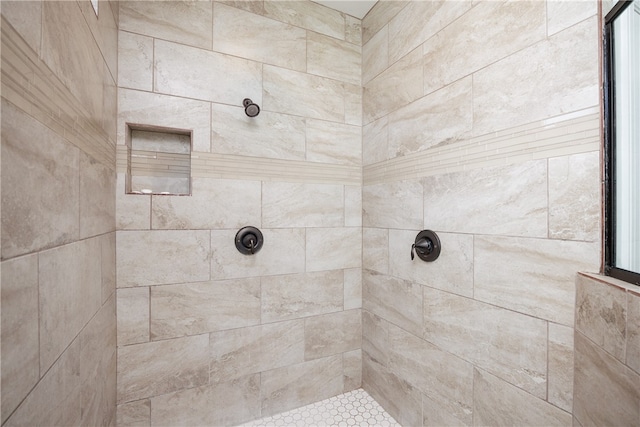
(352, 288)
(332, 333)
(561, 357)
(375, 249)
(352, 206)
(352, 370)
(336, 59)
(510, 345)
(405, 212)
(375, 140)
(195, 308)
(633, 331)
(26, 18)
(379, 16)
(375, 55)
(333, 143)
(564, 14)
(309, 15)
(135, 61)
(134, 414)
(133, 211)
(205, 75)
(333, 248)
(287, 204)
(375, 338)
(133, 315)
(162, 257)
(251, 36)
(97, 201)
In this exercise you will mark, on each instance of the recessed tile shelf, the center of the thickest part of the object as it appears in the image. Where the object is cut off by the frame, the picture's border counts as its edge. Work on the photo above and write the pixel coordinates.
(158, 160)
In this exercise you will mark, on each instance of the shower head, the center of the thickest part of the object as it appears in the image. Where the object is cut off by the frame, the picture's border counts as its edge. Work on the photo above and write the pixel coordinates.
(250, 108)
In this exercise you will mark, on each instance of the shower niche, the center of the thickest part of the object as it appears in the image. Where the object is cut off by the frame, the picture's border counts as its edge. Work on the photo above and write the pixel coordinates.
(158, 160)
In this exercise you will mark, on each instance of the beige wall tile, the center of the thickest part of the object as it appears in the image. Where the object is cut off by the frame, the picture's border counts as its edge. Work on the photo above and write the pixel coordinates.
(375, 249)
(108, 253)
(605, 390)
(397, 301)
(510, 345)
(633, 331)
(34, 215)
(282, 253)
(489, 200)
(227, 403)
(301, 295)
(214, 203)
(564, 14)
(333, 58)
(195, 308)
(205, 75)
(133, 211)
(109, 117)
(154, 368)
(187, 22)
(332, 333)
(405, 212)
(442, 117)
(495, 400)
(375, 338)
(309, 15)
(436, 414)
(133, 315)
(254, 6)
(298, 385)
(545, 272)
(379, 16)
(352, 288)
(20, 352)
(326, 248)
(261, 39)
(574, 197)
(375, 55)
(451, 272)
(242, 351)
(135, 61)
(97, 197)
(134, 414)
(561, 356)
(352, 206)
(26, 18)
(292, 92)
(353, 30)
(352, 104)
(272, 135)
(302, 205)
(333, 143)
(375, 141)
(352, 367)
(104, 29)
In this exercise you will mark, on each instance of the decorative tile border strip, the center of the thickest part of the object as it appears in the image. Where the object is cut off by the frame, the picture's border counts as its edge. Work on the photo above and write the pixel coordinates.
(30, 85)
(572, 133)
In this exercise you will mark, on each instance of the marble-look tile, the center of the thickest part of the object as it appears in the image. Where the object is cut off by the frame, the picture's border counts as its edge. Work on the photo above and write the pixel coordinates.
(574, 197)
(133, 315)
(421, 20)
(442, 117)
(209, 76)
(532, 276)
(298, 385)
(375, 338)
(134, 414)
(26, 18)
(352, 288)
(283, 252)
(560, 358)
(332, 333)
(353, 30)
(397, 86)
(309, 15)
(375, 55)
(133, 211)
(396, 204)
(186, 22)
(154, 368)
(274, 135)
(222, 404)
(253, 6)
(39, 208)
(506, 94)
(56, 399)
(162, 257)
(375, 141)
(379, 16)
(606, 392)
(195, 308)
(352, 206)
(507, 344)
(495, 400)
(375, 249)
(108, 264)
(247, 35)
(352, 369)
(301, 295)
(214, 203)
(489, 200)
(333, 58)
(109, 117)
(287, 204)
(563, 14)
(334, 143)
(326, 248)
(20, 357)
(633, 330)
(601, 314)
(97, 197)
(238, 352)
(395, 300)
(154, 109)
(104, 29)
(70, 293)
(437, 414)
(451, 272)
(301, 94)
(479, 38)
(446, 379)
(352, 104)
(135, 61)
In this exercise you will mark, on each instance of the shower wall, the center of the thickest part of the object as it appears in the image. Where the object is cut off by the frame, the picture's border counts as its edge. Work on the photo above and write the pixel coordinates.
(481, 122)
(59, 68)
(207, 335)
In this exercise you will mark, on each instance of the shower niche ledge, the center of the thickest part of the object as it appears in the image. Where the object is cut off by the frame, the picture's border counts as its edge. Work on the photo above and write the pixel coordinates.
(158, 160)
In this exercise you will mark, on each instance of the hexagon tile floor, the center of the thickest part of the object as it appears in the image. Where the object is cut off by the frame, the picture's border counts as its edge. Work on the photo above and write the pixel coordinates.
(355, 408)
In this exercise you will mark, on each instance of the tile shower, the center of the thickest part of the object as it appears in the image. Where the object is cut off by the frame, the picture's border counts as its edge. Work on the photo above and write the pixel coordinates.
(476, 119)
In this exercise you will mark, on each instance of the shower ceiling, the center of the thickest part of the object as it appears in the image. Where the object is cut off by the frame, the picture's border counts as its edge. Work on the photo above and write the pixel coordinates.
(357, 8)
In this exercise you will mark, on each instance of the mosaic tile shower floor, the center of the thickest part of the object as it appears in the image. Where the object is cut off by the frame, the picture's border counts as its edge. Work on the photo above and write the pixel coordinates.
(355, 408)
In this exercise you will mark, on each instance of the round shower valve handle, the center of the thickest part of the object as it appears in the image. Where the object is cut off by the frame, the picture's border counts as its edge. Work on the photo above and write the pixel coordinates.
(426, 246)
(249, 240)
